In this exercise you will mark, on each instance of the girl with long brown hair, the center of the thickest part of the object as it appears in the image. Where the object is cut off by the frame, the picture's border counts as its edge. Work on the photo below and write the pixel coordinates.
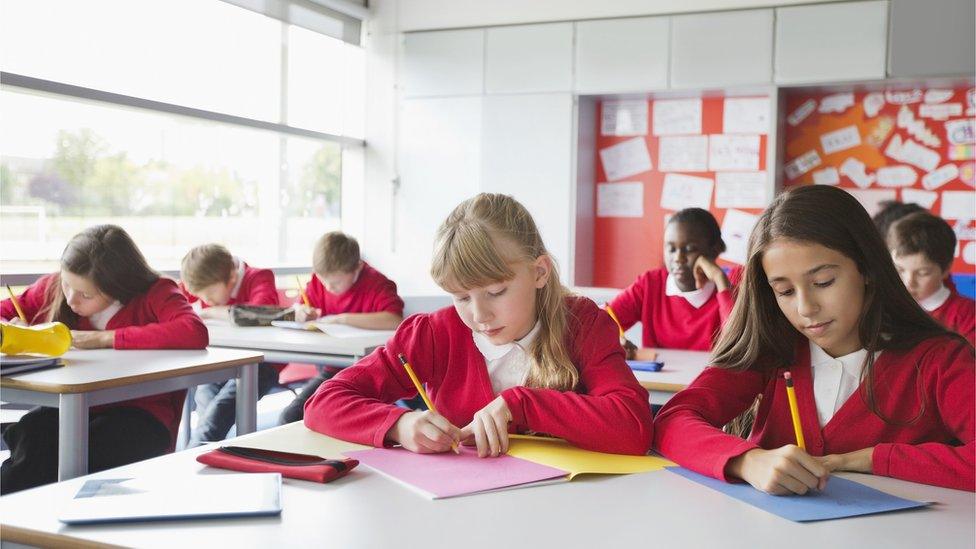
(882, 388)
(516, 353)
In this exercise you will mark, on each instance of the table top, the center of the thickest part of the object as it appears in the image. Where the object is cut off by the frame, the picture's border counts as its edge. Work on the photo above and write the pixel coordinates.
(92, 370)
(680, 368)
(366, 509)
(271, 338)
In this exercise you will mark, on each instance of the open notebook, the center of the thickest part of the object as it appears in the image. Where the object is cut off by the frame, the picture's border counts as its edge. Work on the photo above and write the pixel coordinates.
(16, 364)
(334, 330)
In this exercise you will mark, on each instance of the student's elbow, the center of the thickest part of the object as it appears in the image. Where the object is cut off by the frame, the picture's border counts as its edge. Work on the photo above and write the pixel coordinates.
(197, 336)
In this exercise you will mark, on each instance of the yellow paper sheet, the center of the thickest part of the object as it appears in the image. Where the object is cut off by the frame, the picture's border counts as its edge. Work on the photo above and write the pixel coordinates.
(298, 439)
(560, 454)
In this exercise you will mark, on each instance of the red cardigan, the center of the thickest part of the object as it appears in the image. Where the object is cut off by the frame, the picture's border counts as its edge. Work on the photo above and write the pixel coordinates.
(371, 293)
(609, 412)
(671, 322)
(257, 288)
(937, 448)
(158, 319)
(958, 313)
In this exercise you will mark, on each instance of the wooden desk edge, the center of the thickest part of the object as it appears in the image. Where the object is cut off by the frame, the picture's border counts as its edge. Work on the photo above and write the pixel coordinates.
(26, 536)
(664, 387)
(13, 383)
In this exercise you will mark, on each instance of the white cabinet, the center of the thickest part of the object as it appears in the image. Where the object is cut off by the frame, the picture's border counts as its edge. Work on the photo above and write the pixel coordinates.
(443, 63)
(622, 55)
(722, 49)
(529, 58)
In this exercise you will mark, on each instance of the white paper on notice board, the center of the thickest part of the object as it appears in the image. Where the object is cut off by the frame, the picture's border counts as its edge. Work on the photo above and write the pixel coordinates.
(958, 204)
(625, 159)
(686, 191)
(733, 152)
(871, 199)
(746, 115)
(740, 190)
(736, 228)
(677, 116)
(840, 140)
(682, 153)
(620, 199)
(924, 199)
(624, 118)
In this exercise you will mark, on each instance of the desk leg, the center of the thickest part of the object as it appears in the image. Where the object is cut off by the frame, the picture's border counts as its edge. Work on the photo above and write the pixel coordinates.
(72, 436)
(247, 399)
(183, 435)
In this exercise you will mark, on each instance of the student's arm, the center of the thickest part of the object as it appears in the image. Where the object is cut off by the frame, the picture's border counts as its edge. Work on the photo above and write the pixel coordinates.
(627, 305)
(31, 301)
(726, 298)
(262, 289)
(176, 326)
(383, 320)
(612, 416)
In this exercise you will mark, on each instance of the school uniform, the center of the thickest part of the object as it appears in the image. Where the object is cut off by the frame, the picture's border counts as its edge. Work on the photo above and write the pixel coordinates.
(610, 413)
(120, 432)
(670, 318)
(216, 403)
(372, 292)
(954, 310)
(927, 394)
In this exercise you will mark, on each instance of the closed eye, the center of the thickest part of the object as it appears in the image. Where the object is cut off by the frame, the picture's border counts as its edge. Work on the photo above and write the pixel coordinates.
(498, 293)
(824, 284)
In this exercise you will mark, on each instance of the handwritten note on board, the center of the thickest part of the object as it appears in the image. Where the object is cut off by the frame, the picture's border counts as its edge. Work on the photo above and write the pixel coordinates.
(682, 153)
(677, 116)
(625, 159)
(748, 115)
(733, 152)
(620, 199)
(686, 191)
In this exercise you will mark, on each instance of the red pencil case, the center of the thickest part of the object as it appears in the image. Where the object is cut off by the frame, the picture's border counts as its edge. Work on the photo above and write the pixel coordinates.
(300, 466)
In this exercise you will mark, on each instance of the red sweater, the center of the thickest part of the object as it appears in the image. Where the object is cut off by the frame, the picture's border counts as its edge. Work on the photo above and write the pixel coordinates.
(158, 319)
(937, 448)
(958, 313)
(257, 288)
(371, 293)
(609, 413)
(670, 322)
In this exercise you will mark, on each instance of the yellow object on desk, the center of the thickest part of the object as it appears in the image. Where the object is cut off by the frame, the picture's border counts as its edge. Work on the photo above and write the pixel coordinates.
(558, 453)
(50, 339)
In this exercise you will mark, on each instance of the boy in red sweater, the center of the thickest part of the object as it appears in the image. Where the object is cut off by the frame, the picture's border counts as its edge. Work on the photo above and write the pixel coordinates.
(116, 303)
(213, 277)
(922, 246)
(343, 290)
(882, 388)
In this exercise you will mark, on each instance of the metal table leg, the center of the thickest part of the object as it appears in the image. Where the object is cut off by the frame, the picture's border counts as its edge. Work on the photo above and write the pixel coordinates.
(72, 436)
(247, 399)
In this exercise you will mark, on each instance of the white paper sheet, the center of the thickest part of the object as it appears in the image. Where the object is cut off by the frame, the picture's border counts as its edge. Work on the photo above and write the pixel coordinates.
(969, 253)
(686, 191)
(802, 112)
(924, 199)
(736, 228)
(682, 153)
(624, 118)
(620, 199)
(733, 152)
(872, 199)
(840, 140)
(962, 152)
(963, 230)
(826, 176)
(740, 190)
(910, 152)
(677, 116)
(873, 103)
(940, 111)
(802, 164)
(937, 178)
(938, 96)
(916, 128)
(896, 176)
(746, 115)
(960, 132)
(856, 171)
(838, 102)
(971, 102)
(625, 159)
(905, 97)
(958, 204)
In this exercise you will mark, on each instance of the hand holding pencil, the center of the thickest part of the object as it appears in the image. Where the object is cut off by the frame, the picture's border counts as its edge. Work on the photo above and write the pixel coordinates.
(424, 432)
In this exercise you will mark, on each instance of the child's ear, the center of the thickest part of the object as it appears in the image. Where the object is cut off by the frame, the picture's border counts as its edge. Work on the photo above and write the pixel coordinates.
(542, 267)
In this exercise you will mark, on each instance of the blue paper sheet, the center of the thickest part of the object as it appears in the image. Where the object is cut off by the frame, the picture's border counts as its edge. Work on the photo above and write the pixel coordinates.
(842, 498)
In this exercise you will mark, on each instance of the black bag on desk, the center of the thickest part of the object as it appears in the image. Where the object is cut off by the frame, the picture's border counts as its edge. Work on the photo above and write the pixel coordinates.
(259, 315)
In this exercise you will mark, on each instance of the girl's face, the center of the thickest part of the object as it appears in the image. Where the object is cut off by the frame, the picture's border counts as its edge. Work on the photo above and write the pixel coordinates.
(820, 290)
(505, 311)
(920, 275)
(81, 294)
(683, 245)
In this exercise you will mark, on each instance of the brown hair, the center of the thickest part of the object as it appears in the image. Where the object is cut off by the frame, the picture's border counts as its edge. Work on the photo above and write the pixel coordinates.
(891, 211)
(467, 255)
(205, 265)
(108, 257)
(924, 233)
(335, 252)
(759, 336)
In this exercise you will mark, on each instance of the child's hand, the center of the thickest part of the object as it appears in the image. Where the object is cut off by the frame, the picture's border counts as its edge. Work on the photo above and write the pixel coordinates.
(90, 339)
(16, 321)
(220, 312)
(783, 471)
(424, 432)
(645, 353)
(629, 348)
(489, 429)
(304, 314)
(705, 269)
(860, 461)
(333, 319)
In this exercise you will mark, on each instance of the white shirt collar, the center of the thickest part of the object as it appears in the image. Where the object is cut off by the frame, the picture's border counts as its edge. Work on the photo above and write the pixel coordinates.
(935, 300)
(493, 352)
(240, 277)
(696, 297)
(853, 363)
(101, 319)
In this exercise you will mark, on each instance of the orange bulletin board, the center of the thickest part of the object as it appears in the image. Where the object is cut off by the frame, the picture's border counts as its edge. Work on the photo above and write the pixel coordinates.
(629, 240)
(913, 145)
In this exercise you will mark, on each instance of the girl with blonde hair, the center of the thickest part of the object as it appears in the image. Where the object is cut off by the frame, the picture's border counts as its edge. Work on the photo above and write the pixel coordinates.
(515, 353)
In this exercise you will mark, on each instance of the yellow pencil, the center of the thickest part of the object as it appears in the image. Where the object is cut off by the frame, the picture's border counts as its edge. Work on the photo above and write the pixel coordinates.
(301, 290)
(794, 411)
(614, 317)
(13, 299)
(420, 389)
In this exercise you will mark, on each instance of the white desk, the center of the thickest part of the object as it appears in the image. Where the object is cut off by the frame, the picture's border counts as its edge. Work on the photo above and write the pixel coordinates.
(105, 375)
(365, 509)
(285, 345)
(680, 369)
